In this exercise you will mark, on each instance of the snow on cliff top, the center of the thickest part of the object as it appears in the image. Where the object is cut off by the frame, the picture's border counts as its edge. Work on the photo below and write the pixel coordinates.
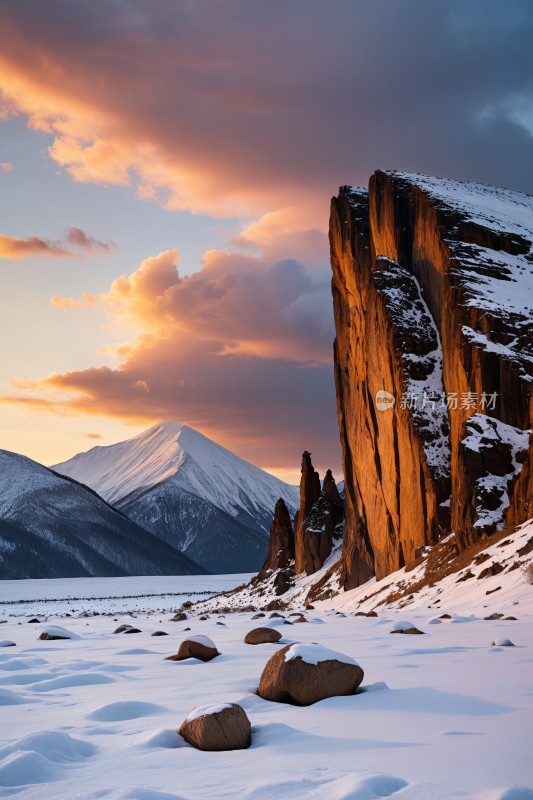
(501, 210)
(174, 451)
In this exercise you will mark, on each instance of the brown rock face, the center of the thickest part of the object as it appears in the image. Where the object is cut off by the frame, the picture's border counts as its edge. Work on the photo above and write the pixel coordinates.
(301, 683)
(218, 728)
(433, 365)
(262, 636)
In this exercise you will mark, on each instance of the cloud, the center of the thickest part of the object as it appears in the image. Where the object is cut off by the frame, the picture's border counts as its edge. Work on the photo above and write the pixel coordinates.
(75, 242)
(93, 436)
(189, 106)
(6, 166)
(240, 349)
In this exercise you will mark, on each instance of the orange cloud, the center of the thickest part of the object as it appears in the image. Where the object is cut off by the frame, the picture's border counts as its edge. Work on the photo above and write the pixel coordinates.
(75, 242)
(243, 340)
(6, 166)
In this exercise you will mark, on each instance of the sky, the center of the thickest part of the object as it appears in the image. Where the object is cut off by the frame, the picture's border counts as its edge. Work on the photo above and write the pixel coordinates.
(165, 178)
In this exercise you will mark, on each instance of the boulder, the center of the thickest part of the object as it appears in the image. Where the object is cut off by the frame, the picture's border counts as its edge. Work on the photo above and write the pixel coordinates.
(217, 727)
(275, 615)
(258, 616)
(262, 636)
(56, 632)
(179, 616)
(410, 631)
(201, 647)
(406, 627)
(126, 629)
(303, 674)
(159, 633)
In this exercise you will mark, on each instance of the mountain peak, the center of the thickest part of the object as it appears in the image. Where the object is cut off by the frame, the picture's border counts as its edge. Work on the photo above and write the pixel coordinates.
(175, 452)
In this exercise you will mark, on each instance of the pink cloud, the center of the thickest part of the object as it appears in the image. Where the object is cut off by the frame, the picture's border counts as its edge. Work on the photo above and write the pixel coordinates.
(241, 350)
(75, 242)
(6, 166)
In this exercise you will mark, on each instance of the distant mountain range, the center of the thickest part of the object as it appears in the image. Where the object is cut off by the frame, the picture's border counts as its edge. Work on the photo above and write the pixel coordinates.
(188, 491)
(53, 527)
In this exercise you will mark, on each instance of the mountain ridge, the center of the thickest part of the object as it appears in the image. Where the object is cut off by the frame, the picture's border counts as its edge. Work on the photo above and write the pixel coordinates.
(189, 491)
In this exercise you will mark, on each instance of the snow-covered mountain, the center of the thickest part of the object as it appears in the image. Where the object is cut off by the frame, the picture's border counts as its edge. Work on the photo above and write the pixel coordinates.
(190, 492)
(52, 527)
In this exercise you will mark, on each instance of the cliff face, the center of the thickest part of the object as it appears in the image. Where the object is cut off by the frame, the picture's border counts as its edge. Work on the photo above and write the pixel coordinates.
(432, 290)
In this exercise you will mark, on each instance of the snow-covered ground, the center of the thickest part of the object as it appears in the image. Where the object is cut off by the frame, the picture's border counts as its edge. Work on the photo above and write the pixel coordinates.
(441, 716)
(109, 595)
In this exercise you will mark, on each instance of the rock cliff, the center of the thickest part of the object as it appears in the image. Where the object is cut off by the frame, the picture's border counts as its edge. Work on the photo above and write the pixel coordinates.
(432, 291)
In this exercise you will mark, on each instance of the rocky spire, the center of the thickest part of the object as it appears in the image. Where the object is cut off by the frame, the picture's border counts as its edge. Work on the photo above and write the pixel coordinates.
(280, 556)
(309, 494)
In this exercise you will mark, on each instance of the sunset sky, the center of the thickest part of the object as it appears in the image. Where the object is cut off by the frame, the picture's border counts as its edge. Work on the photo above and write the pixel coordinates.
(165, 176)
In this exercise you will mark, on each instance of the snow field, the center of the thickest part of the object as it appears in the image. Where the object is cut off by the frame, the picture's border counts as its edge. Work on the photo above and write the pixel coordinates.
(446, 715)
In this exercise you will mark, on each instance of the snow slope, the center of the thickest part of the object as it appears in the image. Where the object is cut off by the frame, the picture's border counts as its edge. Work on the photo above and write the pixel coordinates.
(445, 715)
(192, 493)
(51, 526)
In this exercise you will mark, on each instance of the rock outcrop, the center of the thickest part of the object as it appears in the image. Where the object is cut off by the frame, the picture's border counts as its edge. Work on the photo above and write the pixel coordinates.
(318, 522)
(280, 556)
(316, 530)
(433, 364)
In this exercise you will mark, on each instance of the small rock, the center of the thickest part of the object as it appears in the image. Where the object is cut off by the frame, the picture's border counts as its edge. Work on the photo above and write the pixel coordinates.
(159, 633)
(7, 643)
(303, 674)
(217, 727)
(126, 629)
(445, 616)
(508, 619)
(502, 643)
(203, 617)
(179, 616)
(201, 647)
(412, 631)
(405, 627)
(275, 615)
(258, 616)
(56, 632)
(34, 621)
(262, 636)
(494, 616)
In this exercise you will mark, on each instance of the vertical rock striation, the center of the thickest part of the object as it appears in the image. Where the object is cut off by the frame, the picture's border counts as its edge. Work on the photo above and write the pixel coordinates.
(432, 283)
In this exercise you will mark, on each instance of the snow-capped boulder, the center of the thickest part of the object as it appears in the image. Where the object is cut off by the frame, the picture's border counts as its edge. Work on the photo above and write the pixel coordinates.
(201, 647)
(405, 627)
(217, 727)
(57, 632)
(303, 674)
(126, 629)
